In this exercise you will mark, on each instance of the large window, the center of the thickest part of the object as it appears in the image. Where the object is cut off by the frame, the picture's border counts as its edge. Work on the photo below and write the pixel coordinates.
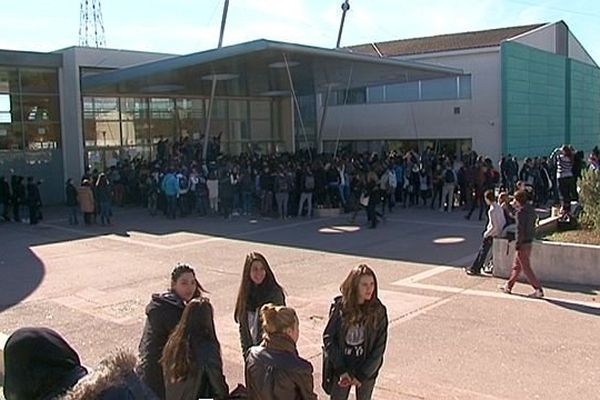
(29, 109)
(432, 89)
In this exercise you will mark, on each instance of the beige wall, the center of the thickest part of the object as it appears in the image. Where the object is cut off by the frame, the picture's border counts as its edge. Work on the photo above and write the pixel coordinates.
(479, 119)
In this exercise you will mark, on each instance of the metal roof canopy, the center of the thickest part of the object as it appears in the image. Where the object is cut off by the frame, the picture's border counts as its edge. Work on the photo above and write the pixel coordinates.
(257, 68)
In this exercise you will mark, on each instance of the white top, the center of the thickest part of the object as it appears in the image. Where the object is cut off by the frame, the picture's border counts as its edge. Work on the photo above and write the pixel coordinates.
(496, 221)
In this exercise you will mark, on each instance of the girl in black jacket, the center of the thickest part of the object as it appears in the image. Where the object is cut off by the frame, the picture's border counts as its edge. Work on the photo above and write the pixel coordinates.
(258, 287)
(163, 313)
(355, 337)
(191, 359)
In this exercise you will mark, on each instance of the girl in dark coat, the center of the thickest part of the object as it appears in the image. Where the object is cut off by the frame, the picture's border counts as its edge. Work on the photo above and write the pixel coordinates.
(355, 337)
(191, 360)
(163, 314)
(274, 370)
(258, 287)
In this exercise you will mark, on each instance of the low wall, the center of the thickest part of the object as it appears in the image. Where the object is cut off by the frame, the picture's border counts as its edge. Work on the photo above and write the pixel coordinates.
(570, 263)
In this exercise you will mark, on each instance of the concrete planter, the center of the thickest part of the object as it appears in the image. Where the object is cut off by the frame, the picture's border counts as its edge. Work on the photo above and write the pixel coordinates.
(558, 262)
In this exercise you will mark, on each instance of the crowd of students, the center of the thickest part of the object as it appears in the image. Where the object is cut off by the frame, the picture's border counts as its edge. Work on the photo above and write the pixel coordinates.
(180, 355)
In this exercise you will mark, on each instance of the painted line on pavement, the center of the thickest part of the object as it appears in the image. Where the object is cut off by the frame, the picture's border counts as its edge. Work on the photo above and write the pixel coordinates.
(496, 295)
(3, 340)
(433, 271)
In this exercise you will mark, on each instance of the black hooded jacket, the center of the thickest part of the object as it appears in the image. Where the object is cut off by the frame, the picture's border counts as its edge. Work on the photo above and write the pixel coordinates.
(39, 365)
(163, 313)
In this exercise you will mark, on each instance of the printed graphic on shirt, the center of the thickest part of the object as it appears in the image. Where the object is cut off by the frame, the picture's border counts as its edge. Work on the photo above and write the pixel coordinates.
(355, 340)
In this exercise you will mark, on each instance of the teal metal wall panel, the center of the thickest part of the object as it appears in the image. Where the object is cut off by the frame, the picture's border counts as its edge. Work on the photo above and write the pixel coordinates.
(585, 105)
(533, 100)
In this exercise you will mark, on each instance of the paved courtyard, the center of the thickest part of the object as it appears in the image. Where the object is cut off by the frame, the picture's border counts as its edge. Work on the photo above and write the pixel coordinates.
(451, 336)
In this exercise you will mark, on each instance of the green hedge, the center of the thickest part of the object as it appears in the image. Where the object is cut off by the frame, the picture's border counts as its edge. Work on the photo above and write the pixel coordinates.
(589, 195)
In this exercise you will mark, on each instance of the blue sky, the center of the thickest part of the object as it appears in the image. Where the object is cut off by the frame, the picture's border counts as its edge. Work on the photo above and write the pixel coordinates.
(186, 26)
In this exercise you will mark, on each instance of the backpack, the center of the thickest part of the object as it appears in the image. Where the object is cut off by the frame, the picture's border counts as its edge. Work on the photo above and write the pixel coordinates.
(309, 182)
(449, 176)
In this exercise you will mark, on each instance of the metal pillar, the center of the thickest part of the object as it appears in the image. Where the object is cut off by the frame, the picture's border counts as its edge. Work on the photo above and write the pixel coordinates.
(214, 85)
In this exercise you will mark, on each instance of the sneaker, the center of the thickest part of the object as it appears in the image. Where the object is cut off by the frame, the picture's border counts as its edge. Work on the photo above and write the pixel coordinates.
(505, 289)
(537, 294)
(472, 272)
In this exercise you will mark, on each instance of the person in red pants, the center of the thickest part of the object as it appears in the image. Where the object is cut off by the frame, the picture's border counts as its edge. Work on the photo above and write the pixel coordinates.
(526, 217)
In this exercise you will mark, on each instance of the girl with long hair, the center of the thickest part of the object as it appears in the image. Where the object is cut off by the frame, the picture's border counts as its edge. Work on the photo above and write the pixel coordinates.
(191, 360)
(277, 361)
(258, 287)
(163, 313)
(355, 337)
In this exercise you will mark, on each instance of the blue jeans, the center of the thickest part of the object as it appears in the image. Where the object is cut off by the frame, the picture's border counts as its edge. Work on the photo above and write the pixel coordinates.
(247, 202)
(171, 206)
(73, 215)
(105, 212)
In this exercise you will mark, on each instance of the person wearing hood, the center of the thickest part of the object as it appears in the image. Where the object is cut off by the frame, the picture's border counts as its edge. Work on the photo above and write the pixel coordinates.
(41, 365)
(258, 287)
(163, 313)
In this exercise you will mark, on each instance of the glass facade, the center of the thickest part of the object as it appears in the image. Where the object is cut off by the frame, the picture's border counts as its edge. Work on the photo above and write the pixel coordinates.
(455, 147)
(453, 88)
(30, 129)
(29, 109)
(116, 128)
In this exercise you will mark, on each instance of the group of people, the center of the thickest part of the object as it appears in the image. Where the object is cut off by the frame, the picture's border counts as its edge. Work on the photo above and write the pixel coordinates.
(180, 355)
(20, 199)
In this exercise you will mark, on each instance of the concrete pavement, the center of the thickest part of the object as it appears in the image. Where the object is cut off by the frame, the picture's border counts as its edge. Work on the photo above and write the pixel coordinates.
(451, 336)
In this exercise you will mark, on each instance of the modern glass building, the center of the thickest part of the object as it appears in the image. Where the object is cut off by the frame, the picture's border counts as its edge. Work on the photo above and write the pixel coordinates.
(520, 90)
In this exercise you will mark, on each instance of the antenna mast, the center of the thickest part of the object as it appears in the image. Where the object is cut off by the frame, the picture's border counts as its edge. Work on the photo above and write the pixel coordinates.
(91, 27)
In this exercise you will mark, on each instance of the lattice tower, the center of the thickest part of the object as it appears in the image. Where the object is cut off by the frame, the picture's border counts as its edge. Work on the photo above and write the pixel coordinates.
(91, 27)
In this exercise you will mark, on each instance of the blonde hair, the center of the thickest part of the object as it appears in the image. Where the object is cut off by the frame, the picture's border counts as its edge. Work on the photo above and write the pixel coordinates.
(276, 319)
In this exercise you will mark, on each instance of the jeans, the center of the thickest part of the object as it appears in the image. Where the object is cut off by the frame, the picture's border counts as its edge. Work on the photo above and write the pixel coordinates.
(448, 195)
(344, 193)
(305, 197)
(247, 202)
(73, 215)
(171, 206)
(282, 203)
(105, 212)
(364, 392)
(486, 245)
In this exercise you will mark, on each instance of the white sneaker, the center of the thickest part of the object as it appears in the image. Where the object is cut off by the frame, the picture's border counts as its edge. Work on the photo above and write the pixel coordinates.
(537, 294)
(505, 289)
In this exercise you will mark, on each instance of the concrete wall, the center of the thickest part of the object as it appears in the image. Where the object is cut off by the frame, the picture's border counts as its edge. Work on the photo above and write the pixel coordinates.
(542, 38)
(553, 262)
(478, 120)
(74, 59)
(578, 52)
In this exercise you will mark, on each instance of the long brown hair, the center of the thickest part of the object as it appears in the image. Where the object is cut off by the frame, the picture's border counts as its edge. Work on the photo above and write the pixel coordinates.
(246, 284)
(197, 322)
(353, 312)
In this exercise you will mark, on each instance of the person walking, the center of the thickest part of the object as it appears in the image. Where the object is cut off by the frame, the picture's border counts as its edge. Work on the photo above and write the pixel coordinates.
(355, 337)
(306, 196)
(276, 359)
(525, 234)
(4, 198)
(103, 194)
(282, 193)
(258, 287)
(496, 223)
(449, 179)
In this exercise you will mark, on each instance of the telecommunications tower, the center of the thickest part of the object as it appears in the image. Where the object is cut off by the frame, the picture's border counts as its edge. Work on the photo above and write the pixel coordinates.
(91, 28)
